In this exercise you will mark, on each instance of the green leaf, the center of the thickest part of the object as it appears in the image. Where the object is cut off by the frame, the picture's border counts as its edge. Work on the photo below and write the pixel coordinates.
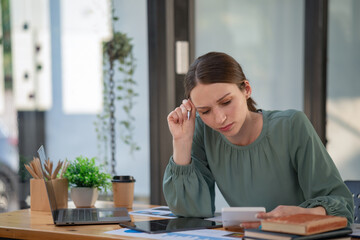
(118, 53)
(83, 172)
(125, 123)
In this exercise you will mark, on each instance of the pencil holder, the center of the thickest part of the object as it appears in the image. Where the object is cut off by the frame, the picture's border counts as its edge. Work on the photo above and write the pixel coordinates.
(39, 200)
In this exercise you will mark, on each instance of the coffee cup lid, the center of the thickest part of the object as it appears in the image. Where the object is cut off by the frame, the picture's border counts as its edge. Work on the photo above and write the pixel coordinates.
(123, 179)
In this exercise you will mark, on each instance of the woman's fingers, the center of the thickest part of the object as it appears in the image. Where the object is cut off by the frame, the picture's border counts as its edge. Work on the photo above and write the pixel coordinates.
(186, 103)
(173, 117)
(178, 120)
(184, 112)
(190, 107)
(277, 212)
(283, 210)
(178, 115)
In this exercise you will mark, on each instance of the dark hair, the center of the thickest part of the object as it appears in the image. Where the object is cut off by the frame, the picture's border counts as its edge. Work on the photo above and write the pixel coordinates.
(216, 67)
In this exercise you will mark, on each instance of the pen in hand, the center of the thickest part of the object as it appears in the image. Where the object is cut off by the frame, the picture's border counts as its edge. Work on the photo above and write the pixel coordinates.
(188, 115)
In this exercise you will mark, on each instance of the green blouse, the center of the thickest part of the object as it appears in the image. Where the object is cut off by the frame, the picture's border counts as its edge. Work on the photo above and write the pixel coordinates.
(286, 165)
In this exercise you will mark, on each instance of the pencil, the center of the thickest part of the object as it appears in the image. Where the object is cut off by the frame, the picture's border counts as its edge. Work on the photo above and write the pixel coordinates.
(31, 171)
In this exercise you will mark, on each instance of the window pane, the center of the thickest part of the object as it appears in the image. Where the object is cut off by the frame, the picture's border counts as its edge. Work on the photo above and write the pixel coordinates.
(343, 102)
(266, 38)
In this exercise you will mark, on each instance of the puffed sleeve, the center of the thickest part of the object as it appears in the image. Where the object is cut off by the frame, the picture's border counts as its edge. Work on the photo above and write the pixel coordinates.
(190, 190)
(318, 176)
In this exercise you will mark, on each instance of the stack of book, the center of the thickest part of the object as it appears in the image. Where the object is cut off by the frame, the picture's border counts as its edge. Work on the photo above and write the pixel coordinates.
(301, 226)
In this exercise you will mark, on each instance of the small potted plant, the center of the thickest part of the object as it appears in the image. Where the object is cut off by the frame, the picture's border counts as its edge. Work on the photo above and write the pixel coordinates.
(85, 179)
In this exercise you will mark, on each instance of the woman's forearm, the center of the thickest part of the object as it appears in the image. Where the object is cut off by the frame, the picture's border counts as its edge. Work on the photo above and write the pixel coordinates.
(182, 152)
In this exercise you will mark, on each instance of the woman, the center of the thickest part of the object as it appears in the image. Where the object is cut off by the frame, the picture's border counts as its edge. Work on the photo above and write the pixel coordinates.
(257, 158)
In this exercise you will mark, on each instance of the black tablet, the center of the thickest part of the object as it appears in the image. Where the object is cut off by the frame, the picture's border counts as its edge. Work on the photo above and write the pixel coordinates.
(171, 225)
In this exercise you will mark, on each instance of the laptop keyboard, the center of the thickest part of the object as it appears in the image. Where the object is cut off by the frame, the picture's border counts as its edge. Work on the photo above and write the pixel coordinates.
(79, 215)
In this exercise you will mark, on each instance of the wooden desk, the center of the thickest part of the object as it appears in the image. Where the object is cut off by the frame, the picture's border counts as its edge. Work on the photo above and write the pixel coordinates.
(27, 224)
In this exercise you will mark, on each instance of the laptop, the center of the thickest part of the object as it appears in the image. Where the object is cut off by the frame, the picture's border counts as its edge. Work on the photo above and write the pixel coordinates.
(81, 216)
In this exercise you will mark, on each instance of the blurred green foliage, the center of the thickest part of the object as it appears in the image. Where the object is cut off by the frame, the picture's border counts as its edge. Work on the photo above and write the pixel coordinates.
(6, 42)
(119, 67)
(23, 172)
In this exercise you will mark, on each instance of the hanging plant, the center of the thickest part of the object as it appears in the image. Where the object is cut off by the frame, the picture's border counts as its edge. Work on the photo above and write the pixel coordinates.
(119, 91)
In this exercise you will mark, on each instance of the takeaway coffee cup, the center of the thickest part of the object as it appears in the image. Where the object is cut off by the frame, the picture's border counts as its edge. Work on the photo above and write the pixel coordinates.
(123, 191)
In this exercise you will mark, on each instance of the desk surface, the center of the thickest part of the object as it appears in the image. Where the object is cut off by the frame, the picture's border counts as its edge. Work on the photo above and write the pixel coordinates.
(27, 224)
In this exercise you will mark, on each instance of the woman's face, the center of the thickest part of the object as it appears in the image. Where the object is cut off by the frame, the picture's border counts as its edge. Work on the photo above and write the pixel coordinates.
(222, 106)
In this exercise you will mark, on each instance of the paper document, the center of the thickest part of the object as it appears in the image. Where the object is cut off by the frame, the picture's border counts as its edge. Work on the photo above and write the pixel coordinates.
(203, 234)
(162, 211)
(216, 218)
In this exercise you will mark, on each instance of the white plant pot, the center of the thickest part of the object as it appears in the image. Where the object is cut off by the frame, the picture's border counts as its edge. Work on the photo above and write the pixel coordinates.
(84, 197)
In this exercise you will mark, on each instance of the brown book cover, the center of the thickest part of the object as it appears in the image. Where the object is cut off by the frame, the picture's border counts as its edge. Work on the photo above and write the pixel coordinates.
(304, 224)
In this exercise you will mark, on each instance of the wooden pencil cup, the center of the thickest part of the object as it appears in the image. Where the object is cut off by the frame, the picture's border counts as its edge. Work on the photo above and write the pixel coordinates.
(61, 186)
(39, 200)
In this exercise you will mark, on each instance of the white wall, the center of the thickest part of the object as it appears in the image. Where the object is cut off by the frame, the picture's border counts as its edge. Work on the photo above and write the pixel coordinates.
(30, 47)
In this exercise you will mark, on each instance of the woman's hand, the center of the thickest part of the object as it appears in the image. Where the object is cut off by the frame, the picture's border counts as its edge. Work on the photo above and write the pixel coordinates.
(179, 125)
(182, 131)
(291, 210)
(281, 211)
